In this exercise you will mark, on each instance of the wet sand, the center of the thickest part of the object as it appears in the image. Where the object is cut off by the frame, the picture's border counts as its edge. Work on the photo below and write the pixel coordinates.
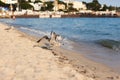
(99, 54)
(20, 60)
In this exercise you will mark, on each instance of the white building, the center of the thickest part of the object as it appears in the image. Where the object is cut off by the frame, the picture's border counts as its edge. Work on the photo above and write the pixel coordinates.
(10, 1)
(79, 5)
(37, 6)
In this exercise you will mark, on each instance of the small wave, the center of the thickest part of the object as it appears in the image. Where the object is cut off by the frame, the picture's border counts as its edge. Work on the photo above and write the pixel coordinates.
(68, 43)
(112, 44)
(34, 31)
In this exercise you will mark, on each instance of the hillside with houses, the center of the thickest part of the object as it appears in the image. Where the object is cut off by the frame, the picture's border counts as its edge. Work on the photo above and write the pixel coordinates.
(56, 8)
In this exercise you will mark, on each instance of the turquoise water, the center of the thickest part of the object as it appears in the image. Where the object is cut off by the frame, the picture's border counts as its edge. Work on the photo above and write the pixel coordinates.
(86, 29)
(96, 38)
(76, 29)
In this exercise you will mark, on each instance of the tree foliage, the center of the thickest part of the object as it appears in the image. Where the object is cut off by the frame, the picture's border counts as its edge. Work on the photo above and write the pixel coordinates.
(118, 9)
(94, 5)
(105, 7)
(8, 5)
(3, 4)
(111, 8)
(70, 8)
(47, 6)
(25, 5)
(37, 1)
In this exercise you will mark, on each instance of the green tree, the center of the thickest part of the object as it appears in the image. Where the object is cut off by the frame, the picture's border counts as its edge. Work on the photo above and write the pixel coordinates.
(105, 7)
(94, 5)
(95, 1)
(111, 8)
(70, 8)
(61, 2)
(3, 4)
(8, 5)
(47, 6)
(25, 5)
(29, 0)
(118, 9)
(84, 2)
(37, 1)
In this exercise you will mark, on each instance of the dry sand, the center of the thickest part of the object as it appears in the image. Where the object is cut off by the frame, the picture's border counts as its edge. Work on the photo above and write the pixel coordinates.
(20, 60)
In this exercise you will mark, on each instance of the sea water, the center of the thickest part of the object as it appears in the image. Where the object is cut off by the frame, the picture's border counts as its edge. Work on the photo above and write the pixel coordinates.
(96, 38)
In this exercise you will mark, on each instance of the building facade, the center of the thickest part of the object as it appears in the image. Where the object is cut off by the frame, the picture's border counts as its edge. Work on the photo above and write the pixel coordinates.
(10, 1)
(61, 7)
(37, 6)
(79, 5)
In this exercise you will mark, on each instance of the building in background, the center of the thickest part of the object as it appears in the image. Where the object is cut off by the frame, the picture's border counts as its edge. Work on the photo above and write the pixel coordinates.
(55, 5)
(37, 6)
(61, 6)
(79, 5)
(10, 1)
(12, 4)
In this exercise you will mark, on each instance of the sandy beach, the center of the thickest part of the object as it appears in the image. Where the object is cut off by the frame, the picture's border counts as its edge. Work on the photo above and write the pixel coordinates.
(20, 60)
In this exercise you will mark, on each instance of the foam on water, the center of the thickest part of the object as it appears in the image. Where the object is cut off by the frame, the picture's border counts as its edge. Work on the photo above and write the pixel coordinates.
(34, 32)
(112, 44)
(67, 44)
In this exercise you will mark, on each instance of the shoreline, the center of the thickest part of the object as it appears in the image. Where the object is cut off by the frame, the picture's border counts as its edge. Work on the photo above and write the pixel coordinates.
(79, 63)
(63, 16)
